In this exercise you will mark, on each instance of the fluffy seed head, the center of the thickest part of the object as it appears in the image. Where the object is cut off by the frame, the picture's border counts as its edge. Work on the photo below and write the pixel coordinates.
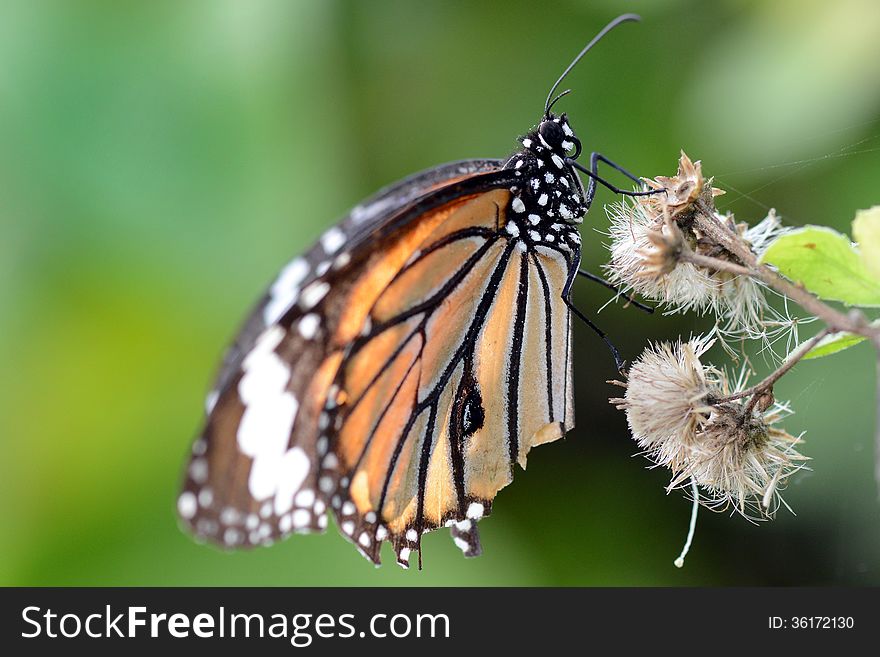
(644, 260)
(665, 399)
(731, 449)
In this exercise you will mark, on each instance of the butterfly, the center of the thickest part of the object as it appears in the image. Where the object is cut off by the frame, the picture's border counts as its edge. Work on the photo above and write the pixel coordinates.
(395, 373)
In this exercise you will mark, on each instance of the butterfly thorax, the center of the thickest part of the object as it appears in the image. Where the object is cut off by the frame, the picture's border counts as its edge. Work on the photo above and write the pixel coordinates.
(549, 201)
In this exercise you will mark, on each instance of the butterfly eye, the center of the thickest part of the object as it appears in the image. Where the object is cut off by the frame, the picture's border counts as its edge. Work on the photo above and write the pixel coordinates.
(552, 133)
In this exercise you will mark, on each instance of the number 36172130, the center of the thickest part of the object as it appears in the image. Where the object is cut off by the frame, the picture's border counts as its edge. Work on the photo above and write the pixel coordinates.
(811, 623)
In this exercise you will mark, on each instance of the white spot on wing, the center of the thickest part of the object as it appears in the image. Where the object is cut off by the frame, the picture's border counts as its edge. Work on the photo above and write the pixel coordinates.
(308, 326)
(305, 497)
(187, 505)
(284, 290)
(403, 557)
(264, 430)
(312, 294)
(300, 518)
(364, 213)
(206, 497)
(293, 470)
(332, 240)
(198, 470)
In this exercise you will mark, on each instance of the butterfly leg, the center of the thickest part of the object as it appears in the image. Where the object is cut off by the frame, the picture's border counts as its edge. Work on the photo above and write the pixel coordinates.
(623, 295)
(593, 174)
(595, 158)
(566, 298)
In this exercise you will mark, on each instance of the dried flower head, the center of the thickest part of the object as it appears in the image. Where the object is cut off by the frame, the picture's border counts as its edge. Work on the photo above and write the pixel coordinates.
(681, 190)
(741, 459)
(677, 411)
(665, 400)
(659, 245)
(645, 253)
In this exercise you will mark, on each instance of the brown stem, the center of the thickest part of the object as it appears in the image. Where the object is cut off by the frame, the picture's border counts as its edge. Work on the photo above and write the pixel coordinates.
(765, 385)
(714, 263)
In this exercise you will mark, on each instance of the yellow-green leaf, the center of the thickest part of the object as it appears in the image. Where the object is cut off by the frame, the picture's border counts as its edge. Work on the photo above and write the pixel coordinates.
(866, 231)
(832, 344)
(826, 263)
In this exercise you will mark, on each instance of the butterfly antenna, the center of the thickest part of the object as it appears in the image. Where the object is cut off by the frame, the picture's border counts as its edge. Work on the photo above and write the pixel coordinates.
(623, 18)
(553, 102)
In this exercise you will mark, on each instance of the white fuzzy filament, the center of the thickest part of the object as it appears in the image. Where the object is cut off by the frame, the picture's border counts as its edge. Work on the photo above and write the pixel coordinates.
(679, 563)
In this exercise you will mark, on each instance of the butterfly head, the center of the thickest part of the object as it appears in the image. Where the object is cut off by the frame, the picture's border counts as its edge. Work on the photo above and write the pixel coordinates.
(551, 192)
(556, 135)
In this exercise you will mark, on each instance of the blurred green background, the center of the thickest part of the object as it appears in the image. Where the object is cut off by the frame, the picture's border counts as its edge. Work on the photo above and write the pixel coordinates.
(160, 161)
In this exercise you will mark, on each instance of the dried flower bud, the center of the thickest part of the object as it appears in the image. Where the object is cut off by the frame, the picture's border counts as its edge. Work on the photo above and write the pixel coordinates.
(681, 190)
(664, 255)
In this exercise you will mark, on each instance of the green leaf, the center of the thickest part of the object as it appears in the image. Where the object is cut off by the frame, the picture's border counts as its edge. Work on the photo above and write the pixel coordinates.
(826, 263)
(866, 231)
(832, 344)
